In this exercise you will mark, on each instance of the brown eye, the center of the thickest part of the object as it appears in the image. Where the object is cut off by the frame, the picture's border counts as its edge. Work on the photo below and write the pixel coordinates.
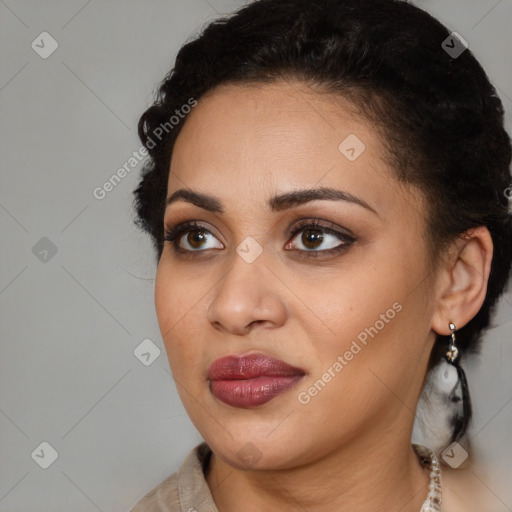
(191, 237)
(196, 238)
(316, 238)
(312, 238)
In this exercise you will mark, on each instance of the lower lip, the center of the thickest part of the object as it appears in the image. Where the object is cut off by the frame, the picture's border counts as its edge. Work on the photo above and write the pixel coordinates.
(252, 392)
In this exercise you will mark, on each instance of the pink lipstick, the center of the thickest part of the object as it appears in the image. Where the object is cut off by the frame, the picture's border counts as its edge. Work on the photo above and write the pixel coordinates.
(251, 380)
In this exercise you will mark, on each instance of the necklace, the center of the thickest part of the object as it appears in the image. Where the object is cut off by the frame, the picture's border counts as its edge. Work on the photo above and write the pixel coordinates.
(429, 460)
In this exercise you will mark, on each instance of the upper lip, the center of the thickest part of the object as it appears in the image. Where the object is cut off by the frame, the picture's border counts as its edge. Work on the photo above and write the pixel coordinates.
(250, 366)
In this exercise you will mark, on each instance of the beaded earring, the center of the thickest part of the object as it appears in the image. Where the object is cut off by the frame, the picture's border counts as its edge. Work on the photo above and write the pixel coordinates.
(452, 356)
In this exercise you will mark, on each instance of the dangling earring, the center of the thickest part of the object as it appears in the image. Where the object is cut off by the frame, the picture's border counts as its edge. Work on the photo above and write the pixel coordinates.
(452, 354)
(444, 409)
(453, 351)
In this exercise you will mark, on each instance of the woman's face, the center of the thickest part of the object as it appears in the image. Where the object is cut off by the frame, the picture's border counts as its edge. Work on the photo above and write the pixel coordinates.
(350, 308)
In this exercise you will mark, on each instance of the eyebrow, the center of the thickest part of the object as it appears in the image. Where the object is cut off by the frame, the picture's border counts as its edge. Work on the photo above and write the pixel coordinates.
(277, 203)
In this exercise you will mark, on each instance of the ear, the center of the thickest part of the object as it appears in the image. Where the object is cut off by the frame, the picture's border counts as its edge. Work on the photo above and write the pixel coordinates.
(462, 285)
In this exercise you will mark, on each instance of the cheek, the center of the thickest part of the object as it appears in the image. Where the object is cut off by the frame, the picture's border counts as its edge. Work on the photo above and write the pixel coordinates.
(176, 306)
(176, 297)
(346, 303)
(372, 314)
(166, 300)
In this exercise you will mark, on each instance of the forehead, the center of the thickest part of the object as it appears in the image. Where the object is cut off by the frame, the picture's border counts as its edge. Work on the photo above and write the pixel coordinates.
(249, 142)
(279, 122)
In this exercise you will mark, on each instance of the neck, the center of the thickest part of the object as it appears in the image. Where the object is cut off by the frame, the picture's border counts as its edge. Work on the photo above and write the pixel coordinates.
(370, 473)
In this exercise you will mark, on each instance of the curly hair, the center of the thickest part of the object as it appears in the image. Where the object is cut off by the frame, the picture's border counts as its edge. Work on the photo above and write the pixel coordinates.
(439, 117)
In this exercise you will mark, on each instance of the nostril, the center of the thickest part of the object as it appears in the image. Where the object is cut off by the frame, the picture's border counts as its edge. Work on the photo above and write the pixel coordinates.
(256, 322)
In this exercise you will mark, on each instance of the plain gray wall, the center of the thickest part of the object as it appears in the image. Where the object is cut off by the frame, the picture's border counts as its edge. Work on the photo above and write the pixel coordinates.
(70, 321)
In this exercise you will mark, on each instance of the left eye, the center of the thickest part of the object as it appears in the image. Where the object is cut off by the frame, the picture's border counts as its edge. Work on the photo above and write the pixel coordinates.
(313, 236)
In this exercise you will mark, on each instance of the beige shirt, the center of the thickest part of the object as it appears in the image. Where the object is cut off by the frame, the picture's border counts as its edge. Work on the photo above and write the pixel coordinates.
(186, 490)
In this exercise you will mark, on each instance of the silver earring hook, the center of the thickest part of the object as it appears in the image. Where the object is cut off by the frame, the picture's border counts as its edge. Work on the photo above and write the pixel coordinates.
(453, 351)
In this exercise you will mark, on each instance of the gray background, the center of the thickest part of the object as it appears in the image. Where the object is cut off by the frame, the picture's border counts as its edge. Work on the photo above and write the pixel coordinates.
(71, 321)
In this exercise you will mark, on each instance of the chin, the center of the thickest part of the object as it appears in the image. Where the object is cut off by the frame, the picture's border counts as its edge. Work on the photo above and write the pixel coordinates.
(256, 455)
(254, 449)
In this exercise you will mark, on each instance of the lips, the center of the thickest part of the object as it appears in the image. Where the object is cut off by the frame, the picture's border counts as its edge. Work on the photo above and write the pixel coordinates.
(251, 380)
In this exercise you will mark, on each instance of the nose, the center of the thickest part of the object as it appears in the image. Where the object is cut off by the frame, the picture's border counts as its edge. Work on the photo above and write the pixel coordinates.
(247, 296)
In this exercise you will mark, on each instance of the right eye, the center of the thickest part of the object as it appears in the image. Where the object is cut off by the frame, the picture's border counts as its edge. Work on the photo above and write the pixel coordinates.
(196, 236)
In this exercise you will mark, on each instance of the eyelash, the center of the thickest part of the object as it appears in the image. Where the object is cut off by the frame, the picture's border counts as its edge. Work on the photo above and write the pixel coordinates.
(175, 233)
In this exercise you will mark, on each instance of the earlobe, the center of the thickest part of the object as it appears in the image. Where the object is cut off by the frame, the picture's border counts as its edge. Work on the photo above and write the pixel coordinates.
(464, 288)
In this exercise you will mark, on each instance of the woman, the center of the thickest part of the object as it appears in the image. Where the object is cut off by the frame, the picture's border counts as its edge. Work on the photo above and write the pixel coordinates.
(326, 197)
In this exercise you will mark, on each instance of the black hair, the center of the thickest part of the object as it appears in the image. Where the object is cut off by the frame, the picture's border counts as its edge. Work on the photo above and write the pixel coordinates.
(439, 117)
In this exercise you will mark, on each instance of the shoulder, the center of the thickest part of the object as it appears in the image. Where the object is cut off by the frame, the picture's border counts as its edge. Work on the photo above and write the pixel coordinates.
(164, 496)
(185, 486)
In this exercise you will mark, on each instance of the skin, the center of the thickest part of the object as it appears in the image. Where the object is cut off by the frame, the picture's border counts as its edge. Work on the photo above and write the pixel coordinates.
(349, 447)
